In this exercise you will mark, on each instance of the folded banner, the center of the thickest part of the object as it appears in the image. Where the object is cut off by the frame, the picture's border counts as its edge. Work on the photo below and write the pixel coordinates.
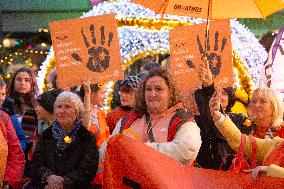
(131, 164)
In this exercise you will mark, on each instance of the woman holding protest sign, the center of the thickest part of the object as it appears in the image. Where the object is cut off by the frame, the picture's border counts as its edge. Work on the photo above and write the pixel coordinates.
(215, 152)
(269, 152)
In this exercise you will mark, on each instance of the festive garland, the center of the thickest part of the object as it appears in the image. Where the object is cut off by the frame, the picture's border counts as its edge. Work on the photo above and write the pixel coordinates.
(151, 23)
(242, 73)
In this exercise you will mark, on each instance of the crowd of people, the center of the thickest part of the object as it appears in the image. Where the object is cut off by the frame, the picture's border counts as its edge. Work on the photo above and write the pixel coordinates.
(57, 139)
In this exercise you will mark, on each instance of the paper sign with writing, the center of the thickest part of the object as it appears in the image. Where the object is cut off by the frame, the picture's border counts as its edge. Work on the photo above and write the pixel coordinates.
(86, 48)
(187, 46)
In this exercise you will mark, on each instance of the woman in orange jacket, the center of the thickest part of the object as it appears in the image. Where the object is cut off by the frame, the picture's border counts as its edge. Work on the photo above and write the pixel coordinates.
(95, 118)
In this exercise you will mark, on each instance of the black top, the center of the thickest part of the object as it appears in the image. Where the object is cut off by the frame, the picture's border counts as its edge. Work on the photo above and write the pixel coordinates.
(77, 164)
(215, 152)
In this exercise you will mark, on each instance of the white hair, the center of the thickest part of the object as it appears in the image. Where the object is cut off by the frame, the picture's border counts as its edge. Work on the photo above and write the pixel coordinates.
(74, 99)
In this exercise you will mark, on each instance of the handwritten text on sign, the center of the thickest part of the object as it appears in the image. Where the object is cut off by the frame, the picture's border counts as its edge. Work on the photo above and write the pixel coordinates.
(86, 48)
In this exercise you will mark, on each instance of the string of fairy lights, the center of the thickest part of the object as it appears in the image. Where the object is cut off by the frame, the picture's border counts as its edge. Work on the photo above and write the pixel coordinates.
(21, 53)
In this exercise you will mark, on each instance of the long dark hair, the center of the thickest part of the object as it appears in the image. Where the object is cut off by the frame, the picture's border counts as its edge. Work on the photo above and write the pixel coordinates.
(140, 103)
(28, 99)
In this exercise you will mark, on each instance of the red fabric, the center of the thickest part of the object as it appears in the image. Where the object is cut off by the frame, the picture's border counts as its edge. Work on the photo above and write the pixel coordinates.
(276, 156)
(114, 116)
(280, 132)
(172, 129)
(239, 163)
(129, 162)
(16, 159)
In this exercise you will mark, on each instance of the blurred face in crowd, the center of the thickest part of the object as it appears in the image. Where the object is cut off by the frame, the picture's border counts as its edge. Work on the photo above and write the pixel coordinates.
(65, 113)
(261, 106)
(41, 113)
(157, 95)
(126, 95)
(23, 83)
(97, 98)
(2, 94)
(224, 99)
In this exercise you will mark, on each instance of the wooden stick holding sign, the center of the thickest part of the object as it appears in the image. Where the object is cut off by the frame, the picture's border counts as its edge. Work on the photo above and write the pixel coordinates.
(86, 48)
(187, 50)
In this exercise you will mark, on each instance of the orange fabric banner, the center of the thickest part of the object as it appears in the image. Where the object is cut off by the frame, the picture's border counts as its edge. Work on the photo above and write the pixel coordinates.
(131, 164)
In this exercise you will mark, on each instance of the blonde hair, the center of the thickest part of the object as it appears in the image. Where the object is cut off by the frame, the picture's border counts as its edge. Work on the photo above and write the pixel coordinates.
(276, 102)
(74, 99)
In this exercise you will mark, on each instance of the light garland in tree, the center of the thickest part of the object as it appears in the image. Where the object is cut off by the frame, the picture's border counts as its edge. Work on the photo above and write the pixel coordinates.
(242, 74)
(150, 23)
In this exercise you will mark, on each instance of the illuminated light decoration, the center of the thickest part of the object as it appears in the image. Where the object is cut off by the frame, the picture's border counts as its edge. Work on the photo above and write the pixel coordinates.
(243, 76)
(150, 23)
(44, 69)
(9, 43)
(147, 40)
(8, 76)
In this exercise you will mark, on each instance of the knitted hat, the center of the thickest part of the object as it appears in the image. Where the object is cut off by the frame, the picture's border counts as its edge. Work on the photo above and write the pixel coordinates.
(47, 99)
(131, 81)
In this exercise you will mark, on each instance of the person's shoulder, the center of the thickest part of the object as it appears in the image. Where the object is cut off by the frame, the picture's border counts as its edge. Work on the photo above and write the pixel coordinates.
(47, 132)
(85, 134)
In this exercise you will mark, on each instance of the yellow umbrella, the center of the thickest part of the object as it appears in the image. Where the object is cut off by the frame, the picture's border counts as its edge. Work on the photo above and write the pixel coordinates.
(215, 9)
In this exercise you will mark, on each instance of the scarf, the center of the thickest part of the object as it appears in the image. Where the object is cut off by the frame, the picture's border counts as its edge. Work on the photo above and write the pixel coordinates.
(60, 135)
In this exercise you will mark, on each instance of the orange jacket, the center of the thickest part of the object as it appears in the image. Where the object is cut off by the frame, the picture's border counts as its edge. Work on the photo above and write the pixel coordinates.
(102, 130)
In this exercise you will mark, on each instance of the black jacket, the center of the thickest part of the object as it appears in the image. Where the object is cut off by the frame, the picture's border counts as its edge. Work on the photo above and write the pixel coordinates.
(215, 152)
(78, 164)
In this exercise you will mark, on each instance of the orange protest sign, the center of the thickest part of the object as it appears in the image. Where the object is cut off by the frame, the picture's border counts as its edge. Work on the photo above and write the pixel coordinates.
(187, 46)
(86, 48)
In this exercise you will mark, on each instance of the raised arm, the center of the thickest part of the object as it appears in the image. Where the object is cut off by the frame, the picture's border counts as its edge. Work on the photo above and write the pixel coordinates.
(87, 103)
(233, 134)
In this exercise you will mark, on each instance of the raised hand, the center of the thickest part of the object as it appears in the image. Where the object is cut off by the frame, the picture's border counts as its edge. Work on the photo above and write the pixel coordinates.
(55, 182)
(204, 73)
(87, 86)
(215, 104)
(99, 57)
(258, 170)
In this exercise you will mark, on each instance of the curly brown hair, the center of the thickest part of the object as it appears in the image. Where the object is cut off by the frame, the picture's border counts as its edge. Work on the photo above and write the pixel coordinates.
(140, 103)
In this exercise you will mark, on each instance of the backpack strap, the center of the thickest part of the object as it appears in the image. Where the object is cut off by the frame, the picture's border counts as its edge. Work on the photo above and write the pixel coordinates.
(149, 128)
(242, 145)
(177, 121)
(127, 120)
(253, 155)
